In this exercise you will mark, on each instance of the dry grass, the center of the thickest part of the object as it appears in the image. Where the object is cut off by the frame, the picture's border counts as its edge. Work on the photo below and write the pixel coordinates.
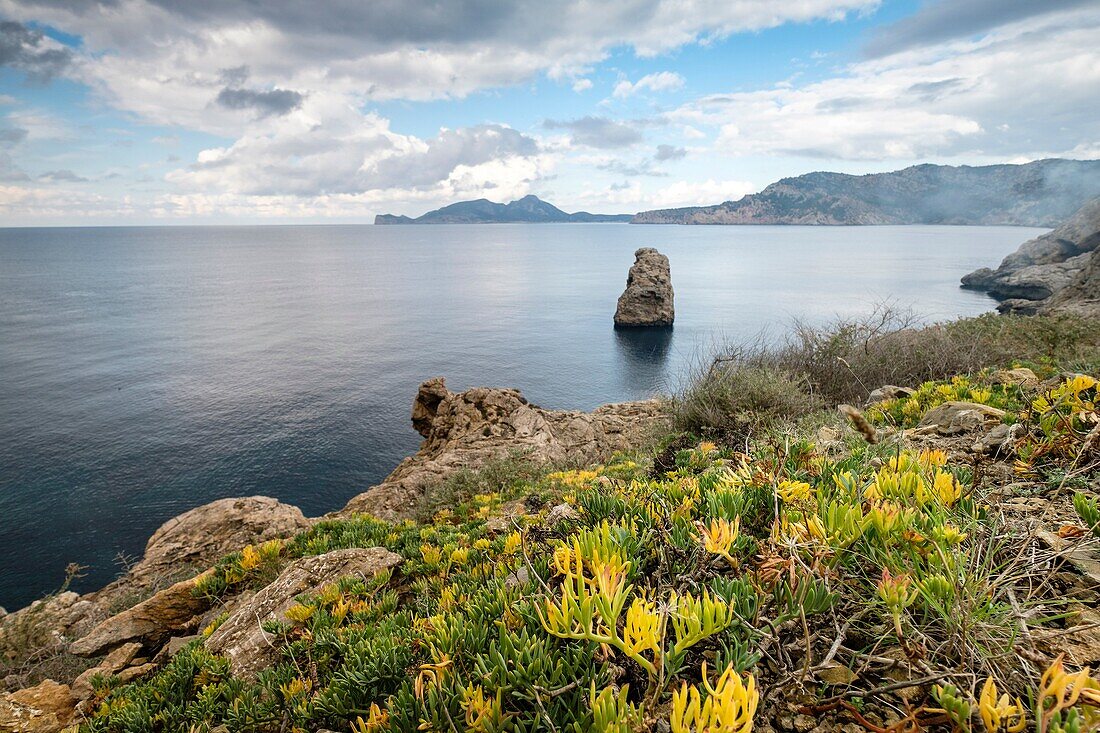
(757, 383)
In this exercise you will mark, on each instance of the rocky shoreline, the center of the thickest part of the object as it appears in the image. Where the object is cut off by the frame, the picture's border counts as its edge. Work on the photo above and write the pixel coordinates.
(130, 627)
(1057, 272)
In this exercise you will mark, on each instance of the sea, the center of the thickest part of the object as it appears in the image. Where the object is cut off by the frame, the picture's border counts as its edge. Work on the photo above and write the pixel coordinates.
(145, 371)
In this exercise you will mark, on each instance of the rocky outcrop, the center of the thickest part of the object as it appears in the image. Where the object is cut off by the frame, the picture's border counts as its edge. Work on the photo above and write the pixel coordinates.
(48, 707)
(1044, 267)
(647, 300)
(242, 638)
(1082, 295)
(952, 418)
(174, 609)
(197, 538)
(465, 429)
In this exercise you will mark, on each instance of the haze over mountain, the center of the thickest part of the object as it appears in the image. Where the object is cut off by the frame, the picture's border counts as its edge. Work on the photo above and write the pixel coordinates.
(1041, 193)
(529, 209)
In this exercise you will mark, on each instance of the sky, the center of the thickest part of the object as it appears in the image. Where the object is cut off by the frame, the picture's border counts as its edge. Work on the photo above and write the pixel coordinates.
(332, 111)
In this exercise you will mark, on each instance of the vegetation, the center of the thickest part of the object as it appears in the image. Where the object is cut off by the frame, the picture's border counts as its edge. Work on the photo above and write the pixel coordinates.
(875, 582)
(752, 386)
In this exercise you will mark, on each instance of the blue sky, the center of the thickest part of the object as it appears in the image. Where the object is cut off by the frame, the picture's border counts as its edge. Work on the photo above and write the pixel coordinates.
(146, 111)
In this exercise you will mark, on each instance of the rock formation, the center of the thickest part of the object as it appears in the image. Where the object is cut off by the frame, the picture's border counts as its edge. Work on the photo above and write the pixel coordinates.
(241, 637)
(466, 429)
(647, 300)
(1044, 267)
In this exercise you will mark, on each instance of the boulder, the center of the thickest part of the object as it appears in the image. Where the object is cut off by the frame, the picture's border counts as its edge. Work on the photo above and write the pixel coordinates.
(1045, 266)
(1021, 376)
(176, 608)
(952, 418)
(647, 300)
(1000, 440)
(242, 638)
(888, 392)
(48, 707)
(463, 430)
(196, 539)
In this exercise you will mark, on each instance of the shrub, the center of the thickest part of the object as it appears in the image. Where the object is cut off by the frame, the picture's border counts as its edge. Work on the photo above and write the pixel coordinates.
(735, 399)
(765, 381)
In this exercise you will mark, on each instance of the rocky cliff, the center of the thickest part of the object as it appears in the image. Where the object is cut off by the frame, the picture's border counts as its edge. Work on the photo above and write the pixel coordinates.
(1053, 272)
(648, 298)
(1041, 193)
(130, 628)
(466, 429)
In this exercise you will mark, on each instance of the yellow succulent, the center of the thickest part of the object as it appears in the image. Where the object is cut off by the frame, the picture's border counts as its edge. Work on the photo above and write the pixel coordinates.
(729, 706)
(947, 488)
(250, 558)
(720, 537)
(1000, 714)
(512, 543)
(377, 719)
(642, 629)
(790, 491)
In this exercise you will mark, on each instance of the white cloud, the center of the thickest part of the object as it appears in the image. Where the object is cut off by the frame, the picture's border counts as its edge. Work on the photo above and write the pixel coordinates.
(582, 85)
(1018, 90)
(661, 81)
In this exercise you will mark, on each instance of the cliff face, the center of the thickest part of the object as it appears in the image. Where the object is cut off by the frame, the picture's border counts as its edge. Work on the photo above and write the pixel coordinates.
(1050, 271)
(1042, 193)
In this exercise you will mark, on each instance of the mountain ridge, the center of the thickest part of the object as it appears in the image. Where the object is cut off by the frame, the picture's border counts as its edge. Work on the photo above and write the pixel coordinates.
(1040, 193)
(530, 210)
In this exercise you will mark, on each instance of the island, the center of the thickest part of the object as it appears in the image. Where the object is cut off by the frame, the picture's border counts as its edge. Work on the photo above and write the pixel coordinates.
(527, 210)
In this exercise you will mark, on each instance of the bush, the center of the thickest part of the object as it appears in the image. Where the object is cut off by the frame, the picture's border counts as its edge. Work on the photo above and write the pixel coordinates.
(846, 360)
(734, 399)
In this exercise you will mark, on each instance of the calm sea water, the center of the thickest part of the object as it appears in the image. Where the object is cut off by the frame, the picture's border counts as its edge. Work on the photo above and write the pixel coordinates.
(145, 371)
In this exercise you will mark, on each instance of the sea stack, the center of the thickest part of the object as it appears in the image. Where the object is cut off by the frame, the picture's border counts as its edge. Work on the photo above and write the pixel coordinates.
(647, 300)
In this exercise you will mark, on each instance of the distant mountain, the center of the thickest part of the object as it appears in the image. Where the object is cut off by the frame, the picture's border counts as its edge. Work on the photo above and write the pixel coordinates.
(529, 209)
(1041, 193)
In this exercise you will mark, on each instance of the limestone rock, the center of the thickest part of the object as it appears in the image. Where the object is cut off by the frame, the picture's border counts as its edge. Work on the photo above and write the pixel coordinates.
(1082, 295)
(464, 430)
(952, 418)
(48, 707)
(1044, 267)
(242, 638)
(197, 538)
(1000, 440)
(113, 663)
(888, 392)
(647, 300)
(1022, 376)
(173, 609)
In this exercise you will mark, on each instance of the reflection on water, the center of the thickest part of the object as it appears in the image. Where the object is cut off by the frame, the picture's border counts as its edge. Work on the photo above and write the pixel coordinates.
(643, 353)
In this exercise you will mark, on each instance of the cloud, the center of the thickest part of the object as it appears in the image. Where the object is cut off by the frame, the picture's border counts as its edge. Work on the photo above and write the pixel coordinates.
(1023, 89)
(152, 56)
(597, 132)
(946, 20)
(273, 102)
(642, 168)
(12, 135)
(662, 81)
(62, 175)
(669, 152)
(582, 85)
(329, 147)
(28, 50)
